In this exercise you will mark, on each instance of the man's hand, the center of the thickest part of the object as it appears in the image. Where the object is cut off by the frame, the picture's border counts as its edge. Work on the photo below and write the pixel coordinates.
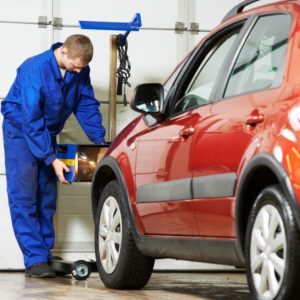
(59, 168)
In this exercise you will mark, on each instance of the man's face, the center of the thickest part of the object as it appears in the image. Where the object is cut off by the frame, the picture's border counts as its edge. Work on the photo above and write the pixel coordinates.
(72, 64)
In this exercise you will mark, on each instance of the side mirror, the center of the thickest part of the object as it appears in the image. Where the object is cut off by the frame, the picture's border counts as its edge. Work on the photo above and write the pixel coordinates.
(148, 98)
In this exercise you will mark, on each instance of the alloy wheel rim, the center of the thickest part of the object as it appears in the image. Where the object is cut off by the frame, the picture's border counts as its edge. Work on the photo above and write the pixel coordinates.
(268, 252)
(110, 234)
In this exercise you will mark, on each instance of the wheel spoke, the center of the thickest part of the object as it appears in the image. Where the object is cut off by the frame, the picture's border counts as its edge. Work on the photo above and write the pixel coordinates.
(278, 263)
(108, 257)
(114, 254)
(257, 262)
(274, 221)
(265, 223)
(103, 250)
(106, 215)
(116, 220)
(116, 237)
(272, 280)
(258, 239)
(278, 242)
(263, 279)
(103, 231)
(112, 209)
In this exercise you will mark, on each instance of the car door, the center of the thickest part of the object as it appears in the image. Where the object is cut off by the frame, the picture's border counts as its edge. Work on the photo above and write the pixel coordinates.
(236, 122)
(164, 170)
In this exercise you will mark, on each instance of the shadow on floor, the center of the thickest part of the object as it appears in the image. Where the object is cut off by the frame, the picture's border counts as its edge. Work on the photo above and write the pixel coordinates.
(210, 285)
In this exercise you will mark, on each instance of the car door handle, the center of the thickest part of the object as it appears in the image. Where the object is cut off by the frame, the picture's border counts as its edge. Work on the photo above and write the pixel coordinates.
(186, 132)
(161, 173)
(254, 119)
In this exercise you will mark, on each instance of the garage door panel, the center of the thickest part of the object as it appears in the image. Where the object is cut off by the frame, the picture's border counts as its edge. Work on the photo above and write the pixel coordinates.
(23, 11)
(20, 42)
(165, 12)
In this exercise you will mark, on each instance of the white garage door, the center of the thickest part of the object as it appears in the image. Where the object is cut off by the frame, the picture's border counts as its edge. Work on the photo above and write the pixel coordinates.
(20, 38)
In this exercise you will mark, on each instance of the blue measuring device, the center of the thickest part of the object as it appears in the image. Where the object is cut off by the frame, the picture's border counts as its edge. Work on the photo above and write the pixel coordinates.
(134, 25)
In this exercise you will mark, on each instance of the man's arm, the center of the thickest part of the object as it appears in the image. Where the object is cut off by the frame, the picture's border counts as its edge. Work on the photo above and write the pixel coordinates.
(33, 124)
(88, 114)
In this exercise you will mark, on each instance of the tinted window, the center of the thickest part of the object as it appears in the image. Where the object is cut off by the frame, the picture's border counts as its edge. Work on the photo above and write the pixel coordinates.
(201, 86)
(168, 84)
(261, 60)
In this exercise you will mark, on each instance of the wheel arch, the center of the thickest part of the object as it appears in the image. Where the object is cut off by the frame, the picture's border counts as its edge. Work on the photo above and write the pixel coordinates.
(106, 171)
(262, 171)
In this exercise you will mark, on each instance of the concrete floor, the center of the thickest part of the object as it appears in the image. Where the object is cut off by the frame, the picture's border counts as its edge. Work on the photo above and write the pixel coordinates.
(162, 285)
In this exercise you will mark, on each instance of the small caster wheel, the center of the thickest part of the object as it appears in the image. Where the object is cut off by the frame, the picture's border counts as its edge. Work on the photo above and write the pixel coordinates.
(81, 270)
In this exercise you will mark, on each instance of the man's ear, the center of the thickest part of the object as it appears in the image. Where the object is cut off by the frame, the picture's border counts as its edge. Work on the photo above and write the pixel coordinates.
(64, 50)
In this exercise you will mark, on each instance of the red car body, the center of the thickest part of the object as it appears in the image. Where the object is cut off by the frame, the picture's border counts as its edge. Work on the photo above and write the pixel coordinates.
(191, 178)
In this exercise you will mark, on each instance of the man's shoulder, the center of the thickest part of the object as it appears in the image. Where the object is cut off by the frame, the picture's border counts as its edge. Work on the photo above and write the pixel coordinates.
(36, 62)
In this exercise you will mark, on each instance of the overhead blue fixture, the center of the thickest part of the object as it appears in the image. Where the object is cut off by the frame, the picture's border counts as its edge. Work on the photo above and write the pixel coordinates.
(134, 25)
(119, 44)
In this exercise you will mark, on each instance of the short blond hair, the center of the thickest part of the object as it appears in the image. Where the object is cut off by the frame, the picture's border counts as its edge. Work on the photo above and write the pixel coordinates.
(79, 45)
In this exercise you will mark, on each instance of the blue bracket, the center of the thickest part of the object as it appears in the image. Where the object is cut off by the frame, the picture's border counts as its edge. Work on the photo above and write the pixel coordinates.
(134, 25)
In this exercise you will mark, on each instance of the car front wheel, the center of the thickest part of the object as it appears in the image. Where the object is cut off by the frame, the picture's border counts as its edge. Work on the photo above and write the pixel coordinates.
(272, 248)
(119, 262)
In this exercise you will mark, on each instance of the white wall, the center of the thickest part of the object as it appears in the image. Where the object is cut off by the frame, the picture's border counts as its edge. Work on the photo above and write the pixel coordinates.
(153, 51)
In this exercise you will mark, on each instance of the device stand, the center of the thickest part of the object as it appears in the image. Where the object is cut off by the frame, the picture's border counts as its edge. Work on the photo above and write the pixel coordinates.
(79, 269)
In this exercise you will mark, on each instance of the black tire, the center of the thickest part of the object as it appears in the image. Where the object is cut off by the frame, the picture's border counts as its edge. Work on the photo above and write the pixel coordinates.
(81, 270)
(131, 270)
(274, 266)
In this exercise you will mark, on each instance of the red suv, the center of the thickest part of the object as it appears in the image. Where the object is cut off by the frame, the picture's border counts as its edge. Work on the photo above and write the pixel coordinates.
(210, 170)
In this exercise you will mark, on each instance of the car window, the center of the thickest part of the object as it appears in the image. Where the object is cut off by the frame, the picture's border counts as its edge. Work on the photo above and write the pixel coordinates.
(169, 82)
(201, 86)
(261, 60)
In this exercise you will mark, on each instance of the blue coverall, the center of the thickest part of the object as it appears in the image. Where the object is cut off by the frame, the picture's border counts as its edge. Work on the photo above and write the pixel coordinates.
(35, 111)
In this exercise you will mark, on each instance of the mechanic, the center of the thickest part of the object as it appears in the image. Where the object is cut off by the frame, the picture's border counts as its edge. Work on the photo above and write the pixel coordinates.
(47, 89)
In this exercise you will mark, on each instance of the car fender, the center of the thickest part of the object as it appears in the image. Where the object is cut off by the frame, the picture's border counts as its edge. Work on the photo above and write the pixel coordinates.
(110, 169)
(261, 160)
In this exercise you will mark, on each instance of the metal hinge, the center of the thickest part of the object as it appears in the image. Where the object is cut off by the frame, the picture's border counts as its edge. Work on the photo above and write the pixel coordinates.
(43, 22)
(194, 28)
(179, 27)
(57, 23)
